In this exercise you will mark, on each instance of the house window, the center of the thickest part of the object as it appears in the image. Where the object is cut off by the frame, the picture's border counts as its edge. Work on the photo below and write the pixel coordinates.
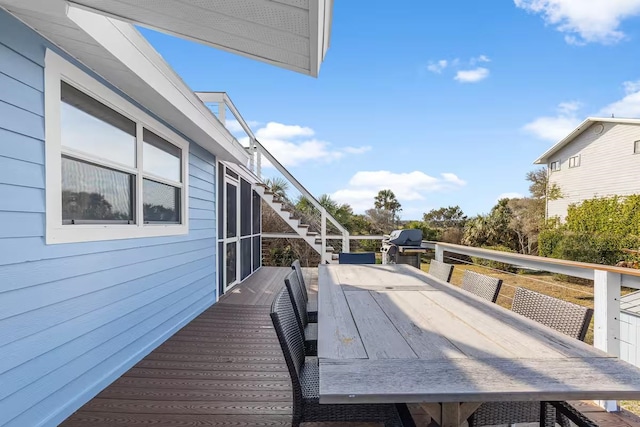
(636, 147)
(554, 166)
(574, 161)
(113, 172)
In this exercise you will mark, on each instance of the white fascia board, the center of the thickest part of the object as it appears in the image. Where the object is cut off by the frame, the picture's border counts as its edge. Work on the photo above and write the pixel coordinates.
(544, 158)
(125, 43)
(320, 16)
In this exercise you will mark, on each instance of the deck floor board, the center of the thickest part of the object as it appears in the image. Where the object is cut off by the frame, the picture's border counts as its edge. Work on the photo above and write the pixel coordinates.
(225, 368)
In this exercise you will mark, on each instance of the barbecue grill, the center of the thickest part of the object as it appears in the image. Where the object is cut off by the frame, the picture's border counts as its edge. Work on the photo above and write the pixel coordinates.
(403, 247)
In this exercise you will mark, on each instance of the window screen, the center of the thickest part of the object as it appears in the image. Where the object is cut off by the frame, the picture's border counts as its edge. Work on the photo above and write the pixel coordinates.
(245, 208)
(161, 202)
(257, 215)
(257, 252)
(232, 209)
(92, 193)
(245, 256)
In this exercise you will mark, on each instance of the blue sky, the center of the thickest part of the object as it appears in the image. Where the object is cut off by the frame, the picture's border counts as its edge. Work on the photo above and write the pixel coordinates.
(446, 103)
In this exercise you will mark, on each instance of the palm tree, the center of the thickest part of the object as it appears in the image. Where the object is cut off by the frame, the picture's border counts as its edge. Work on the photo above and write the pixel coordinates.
(387, 201)
(278, 186)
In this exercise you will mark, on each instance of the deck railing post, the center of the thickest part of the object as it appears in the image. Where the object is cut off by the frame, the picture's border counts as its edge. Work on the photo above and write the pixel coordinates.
(439, 253)
(323, 234)
(606, 318)
(345, 242)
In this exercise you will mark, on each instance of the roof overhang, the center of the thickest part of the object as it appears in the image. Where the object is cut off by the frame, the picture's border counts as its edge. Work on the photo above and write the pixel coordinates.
(119, 54)
(293, 34)
(544, 158)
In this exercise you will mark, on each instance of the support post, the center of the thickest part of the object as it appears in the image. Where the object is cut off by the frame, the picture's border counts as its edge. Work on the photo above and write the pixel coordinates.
(259, 163)
(323, 234)
(345, 242)
(439, 253)
(606, 318)
(252, 152)
(222, 113)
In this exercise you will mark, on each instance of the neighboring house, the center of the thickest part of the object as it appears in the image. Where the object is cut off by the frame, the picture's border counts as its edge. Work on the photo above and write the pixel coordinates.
(126, 208)
(601, 157)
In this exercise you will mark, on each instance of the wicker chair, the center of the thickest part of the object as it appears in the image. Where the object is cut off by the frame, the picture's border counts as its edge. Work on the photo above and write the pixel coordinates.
(486, 287)
(309, 330)
(312, 312)
(568, 318)
(441, 270)
(305, 382)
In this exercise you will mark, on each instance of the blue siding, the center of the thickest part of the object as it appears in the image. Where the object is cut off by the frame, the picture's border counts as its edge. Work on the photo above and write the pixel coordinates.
(74, 317)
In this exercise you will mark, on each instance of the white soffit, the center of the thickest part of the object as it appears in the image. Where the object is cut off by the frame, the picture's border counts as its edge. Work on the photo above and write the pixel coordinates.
(293, 34)
(122, 56)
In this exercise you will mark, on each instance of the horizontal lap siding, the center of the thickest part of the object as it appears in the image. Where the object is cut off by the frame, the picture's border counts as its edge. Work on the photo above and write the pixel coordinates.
(608, 167)
(74, 317)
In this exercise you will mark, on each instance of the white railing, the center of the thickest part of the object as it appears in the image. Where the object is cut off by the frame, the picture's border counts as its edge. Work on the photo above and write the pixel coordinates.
(256, 151)
(606, 294)
(324, 214)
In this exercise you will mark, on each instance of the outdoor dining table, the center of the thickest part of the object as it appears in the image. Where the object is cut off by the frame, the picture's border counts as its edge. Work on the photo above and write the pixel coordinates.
(394, 334)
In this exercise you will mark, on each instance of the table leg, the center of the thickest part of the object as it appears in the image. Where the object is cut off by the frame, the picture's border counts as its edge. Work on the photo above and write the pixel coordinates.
(450, 414)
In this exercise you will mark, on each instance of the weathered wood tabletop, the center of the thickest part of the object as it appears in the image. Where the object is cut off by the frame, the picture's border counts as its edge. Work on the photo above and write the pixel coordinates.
(392, 333)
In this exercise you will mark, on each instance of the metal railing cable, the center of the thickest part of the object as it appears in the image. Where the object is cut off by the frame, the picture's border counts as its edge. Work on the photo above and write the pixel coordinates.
(546, 282)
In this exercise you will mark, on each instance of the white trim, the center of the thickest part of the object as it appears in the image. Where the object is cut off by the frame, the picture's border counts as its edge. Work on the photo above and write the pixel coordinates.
(57, 69)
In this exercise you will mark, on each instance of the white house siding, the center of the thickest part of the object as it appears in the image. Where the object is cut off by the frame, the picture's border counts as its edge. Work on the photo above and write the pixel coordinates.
(608, 166)
(74, 317)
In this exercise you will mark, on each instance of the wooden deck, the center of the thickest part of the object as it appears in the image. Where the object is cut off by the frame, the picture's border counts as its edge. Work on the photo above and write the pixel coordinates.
(225, 368)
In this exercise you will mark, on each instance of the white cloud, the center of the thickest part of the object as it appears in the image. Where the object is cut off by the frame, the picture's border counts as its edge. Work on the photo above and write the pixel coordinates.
(274, 130)
(472, 76)
(293, 145)
(411, 186)
(437, 67)
(554, 128)
(585, 21)
(628, 106)
(509, 196)
(234, 127)
(357, 150)
(481, 58)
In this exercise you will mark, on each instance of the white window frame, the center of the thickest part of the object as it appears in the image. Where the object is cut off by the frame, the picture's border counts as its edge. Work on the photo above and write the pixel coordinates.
(58, 69)
(556, 162)
(574, 161)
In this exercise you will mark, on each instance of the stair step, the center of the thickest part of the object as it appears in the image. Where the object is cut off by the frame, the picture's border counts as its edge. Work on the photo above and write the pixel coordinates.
(303, 226)
(330, 249)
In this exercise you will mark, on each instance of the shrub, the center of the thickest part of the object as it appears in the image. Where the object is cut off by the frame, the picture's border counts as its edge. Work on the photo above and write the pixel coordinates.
(495, 264)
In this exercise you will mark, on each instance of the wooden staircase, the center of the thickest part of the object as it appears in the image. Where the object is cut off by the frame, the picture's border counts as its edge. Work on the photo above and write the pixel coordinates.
(302, 230)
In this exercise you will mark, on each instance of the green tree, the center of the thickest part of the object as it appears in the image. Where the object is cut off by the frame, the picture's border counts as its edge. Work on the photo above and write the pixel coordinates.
(451, 216)
(386, 200)
(278, 186)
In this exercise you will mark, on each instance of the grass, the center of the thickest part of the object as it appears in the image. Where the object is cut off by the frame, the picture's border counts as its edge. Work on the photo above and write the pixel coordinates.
(544, 283)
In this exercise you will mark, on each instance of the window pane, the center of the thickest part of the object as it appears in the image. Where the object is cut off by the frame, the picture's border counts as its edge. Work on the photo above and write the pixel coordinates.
(161, 202)
(257, 217)
(231, 262)
(220, 190)
(92, 193)
(160, 157)
(257, 253)
(245, 257)
(93, 128)
(245, 208)
(232, 209)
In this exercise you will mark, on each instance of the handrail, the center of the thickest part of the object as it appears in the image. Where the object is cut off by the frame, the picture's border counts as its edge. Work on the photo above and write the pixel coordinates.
(299, 186)
(630, 277)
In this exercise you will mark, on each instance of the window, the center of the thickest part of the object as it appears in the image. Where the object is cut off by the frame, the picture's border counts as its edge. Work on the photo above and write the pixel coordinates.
(574, 161)
(554, 166)
(636, 147)
(113, 172)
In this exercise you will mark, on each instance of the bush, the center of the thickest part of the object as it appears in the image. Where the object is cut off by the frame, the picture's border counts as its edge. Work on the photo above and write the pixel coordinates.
(597, 248)
(495, 264)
